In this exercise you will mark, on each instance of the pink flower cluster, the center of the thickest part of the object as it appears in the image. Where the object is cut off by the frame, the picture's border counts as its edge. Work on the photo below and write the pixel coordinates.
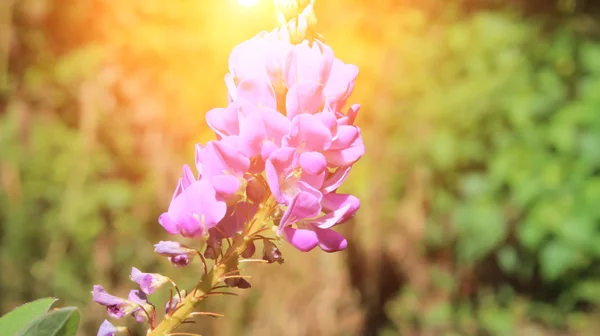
(287, 123)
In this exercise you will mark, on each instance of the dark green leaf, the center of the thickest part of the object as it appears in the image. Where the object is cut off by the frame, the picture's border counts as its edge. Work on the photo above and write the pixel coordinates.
(62, 322)
(17, 319)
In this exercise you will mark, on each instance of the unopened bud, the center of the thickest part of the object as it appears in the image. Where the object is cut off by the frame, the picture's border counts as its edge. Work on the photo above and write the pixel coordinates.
(271, 253)
(236, 281)
(174, 302)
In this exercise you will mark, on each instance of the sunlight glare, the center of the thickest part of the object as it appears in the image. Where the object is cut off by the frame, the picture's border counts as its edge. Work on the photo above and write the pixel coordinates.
(247, 3)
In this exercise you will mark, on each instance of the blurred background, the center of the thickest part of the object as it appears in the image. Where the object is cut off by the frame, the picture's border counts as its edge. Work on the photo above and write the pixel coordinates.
(480, 188)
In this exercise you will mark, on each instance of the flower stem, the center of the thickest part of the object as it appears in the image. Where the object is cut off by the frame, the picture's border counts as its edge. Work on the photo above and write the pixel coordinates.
(217, 274)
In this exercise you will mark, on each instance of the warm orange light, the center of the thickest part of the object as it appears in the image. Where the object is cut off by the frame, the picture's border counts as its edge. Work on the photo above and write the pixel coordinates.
(247, 3)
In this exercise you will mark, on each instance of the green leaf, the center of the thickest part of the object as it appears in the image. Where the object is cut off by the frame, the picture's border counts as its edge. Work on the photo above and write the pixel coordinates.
(588, 291)
(62, 322)
(556, 259)
(508, 259)
(17, 319)
(590, 57)
(481, 227)
(438, 315)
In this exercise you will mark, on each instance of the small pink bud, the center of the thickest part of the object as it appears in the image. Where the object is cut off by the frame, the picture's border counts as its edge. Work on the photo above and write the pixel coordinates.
(148, 282)
(179, 254)
(108, 329)
(116, 307)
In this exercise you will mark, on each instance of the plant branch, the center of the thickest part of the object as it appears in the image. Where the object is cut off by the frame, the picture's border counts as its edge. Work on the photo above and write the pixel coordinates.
(212, 279)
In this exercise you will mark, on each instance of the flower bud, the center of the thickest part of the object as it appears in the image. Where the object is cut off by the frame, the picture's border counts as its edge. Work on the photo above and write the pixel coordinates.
(271, 253)
(116, 307)
(148, 282)
(174, 302)
(213, 246)
(181, 260)
(141, 301)
(237, 282)
(249, 251)
(179, 254)
(108, 329)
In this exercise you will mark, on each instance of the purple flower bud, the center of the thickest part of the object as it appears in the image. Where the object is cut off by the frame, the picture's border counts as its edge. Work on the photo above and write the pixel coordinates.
(171, 249)
(181, 260)
(148, 282)
(108, 329)
(116, 307)
(179, 254)
(142, 307)
(137, 297)
(271, 253)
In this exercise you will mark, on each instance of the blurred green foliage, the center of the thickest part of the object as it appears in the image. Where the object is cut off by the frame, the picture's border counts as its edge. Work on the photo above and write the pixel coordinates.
(507, 134)
(479, 188)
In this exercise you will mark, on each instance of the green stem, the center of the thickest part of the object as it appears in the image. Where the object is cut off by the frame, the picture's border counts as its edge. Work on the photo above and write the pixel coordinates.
(211, 279)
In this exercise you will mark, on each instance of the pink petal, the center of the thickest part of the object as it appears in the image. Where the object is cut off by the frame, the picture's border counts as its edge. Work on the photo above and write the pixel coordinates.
(344, 157)
(198, 157)
(186, 179)
(136, 275)
(252, 134)
(340, 84)
(333, 201)
(262, 126)
(347, 148)
(312, 181)
(347, 135)
(234, 220)
(257, 91)
(304, 97)
(167, 223)
(306, 62)
(309, 134)
(303, 186)
(276, 125)
(304, 205)
(178, 189)
(267, 149)
(191, 224)
(226, 185)
(277, 167)
(301, 239)
(219, 157)
(313, 162)
(224, 121)
(329, 120)
(353, 113)
(334, 180)
(332, 218)
(188, 176)
(330, 241)
(195, 210)
(247, 59)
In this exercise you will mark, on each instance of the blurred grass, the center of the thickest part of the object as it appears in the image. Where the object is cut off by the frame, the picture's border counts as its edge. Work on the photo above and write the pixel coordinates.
(5, 32)
(479, 187)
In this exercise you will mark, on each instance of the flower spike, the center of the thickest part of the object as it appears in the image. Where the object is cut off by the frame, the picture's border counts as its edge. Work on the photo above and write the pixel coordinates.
(285, 143)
